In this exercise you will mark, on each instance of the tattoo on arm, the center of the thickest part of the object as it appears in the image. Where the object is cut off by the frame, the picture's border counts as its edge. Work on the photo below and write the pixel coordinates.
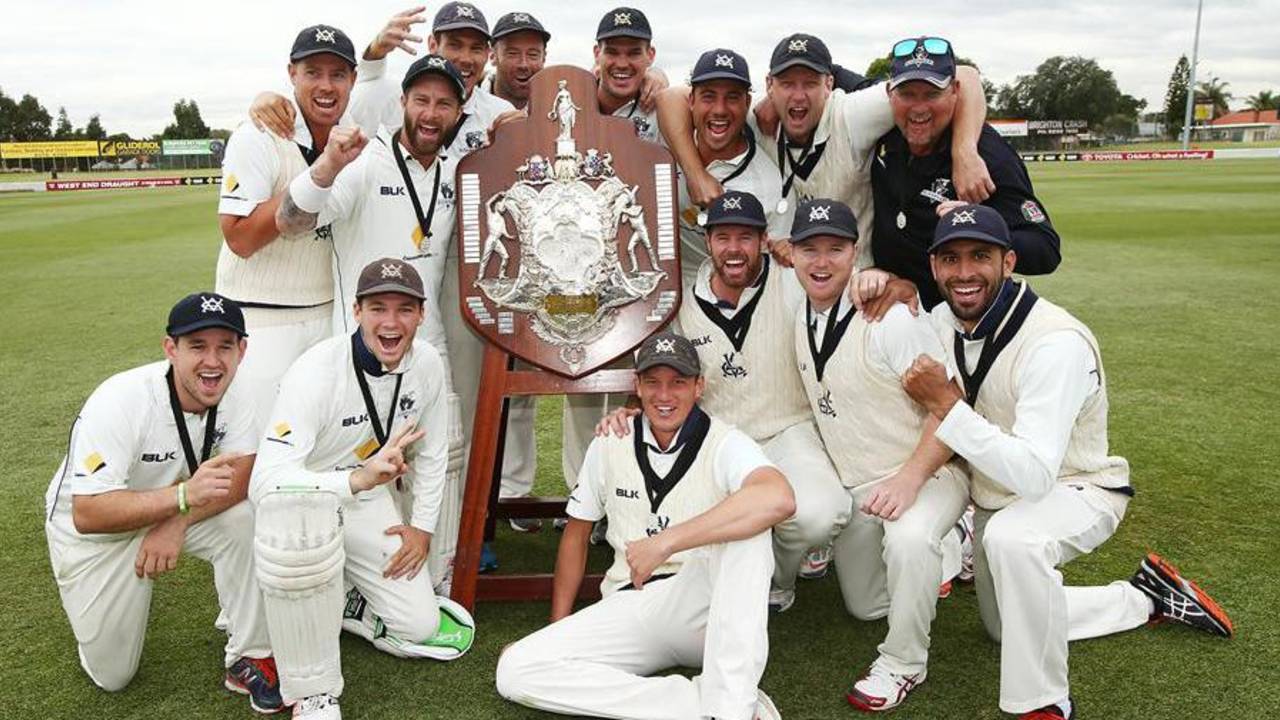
(291, 219)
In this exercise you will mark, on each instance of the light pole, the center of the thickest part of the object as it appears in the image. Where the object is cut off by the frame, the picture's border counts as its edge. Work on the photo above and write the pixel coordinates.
(1191, 83)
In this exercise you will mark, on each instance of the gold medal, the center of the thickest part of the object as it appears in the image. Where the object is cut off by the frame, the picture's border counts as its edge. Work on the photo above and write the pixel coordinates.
(902, 220)
(782, 206)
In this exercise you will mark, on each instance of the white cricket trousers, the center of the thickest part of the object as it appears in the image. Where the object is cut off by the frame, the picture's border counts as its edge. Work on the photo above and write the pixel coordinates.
(1023, 602)
(822, 504)
(277, 337)
(108, 605)
(892, 568)
(713, 613)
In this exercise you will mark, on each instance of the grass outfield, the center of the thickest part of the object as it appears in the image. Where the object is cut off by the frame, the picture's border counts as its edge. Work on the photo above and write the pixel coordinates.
(1173, 266)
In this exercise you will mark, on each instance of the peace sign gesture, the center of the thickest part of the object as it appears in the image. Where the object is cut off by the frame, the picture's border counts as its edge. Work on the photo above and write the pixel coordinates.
(388, 463)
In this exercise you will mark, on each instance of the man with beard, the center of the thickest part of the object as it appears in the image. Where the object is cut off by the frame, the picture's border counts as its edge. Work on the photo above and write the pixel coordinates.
(385, 202)
(356, 415)
(823, 142)
(519, 51)
(912, 174)
(1030, 419)
(132, 494)
(903, 494)
(690, 501)
(284, 283)
(734, 315)
(719, 100)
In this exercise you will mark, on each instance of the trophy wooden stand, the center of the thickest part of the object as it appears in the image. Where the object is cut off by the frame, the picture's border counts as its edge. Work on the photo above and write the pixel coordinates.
(589, 200)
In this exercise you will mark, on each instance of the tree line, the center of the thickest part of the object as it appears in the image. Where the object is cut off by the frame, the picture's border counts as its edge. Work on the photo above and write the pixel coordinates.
(27, 120)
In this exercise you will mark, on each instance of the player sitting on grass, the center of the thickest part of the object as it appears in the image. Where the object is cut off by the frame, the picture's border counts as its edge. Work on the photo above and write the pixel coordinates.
(1030, 417)
(132, 494)
(690, 501)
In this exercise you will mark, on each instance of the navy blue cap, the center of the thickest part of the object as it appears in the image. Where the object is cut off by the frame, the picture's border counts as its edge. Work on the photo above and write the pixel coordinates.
(821, 216)
(720, 64)
(624, 22)
(460, 16)
(514, 22)
(437, 65)
(800, 49)
(202, 310)
(736, 208)
(319, 39)
(937, 68)
(971, 222)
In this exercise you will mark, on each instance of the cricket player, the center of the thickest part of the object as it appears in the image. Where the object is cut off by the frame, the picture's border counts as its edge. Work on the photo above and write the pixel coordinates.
(359, 419)
(905, 496)
(1030, 418)
(283, 282)
(735, 314)
(158, 464)
(824, 137)
(384, 201)
(718, 100)
(911, 177)
(690, 501)
(519, 52)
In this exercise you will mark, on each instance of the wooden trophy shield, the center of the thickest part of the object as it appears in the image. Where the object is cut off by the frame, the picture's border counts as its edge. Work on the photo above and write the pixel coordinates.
(567, 224)
(569, 259)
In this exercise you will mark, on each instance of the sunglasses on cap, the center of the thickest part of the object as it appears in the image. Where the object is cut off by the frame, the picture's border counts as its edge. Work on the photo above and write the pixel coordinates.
(931, 45)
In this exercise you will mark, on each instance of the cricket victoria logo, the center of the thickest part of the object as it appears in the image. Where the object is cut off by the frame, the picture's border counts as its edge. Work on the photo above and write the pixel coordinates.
(798, 46)
(724, 61)
(963, 217)
(820, 212)
(211, 305)
(824, 405)
(730, 369)
(325, 35)
(392, 271)
(622, 18)
(733, 203)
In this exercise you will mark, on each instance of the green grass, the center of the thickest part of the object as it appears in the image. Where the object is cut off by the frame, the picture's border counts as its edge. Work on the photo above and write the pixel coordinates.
(1173, 266)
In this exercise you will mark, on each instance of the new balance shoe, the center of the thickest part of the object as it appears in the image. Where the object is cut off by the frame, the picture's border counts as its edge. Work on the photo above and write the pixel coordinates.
(1051, 712)
(878, 689)
(599, 532)
(944, 591)
(257, 678)
(317, 707)
(1177, 598)
(816, 562)
(526, 525)
(781, 600)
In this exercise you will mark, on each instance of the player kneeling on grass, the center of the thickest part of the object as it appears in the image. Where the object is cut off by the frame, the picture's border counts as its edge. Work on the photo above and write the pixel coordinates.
(132, 494)
(358, 421)
(690, 501)
(905, 495)
(1031, 420)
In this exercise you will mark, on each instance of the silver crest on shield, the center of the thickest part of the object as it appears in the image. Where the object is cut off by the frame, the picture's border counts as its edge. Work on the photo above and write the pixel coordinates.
(567, 213)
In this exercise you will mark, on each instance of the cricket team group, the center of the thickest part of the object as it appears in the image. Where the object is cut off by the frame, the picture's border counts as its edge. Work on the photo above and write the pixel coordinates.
(857, 378)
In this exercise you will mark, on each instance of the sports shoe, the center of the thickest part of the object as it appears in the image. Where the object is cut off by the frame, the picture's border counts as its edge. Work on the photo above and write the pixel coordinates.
(1177, 598)
(488, 559)
(560, 523)
(765, 709)
(878, 689)
(526, 525)
(257, 678)
(964, 526)
(816, 562)
(1050, 712)
(317, 707)
(781, 600)
(599, 532)
(944, 591)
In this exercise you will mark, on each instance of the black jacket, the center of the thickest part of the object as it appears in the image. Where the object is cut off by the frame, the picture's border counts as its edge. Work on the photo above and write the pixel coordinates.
(913, 186)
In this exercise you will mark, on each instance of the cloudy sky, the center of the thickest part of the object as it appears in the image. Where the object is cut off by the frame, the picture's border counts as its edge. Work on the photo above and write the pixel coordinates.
(130, 60)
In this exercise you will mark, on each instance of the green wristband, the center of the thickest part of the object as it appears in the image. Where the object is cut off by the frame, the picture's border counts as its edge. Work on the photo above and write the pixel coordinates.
(183, 508)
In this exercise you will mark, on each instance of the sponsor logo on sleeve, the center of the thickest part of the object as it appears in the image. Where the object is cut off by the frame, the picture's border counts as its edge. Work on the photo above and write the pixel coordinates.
(94, 462)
